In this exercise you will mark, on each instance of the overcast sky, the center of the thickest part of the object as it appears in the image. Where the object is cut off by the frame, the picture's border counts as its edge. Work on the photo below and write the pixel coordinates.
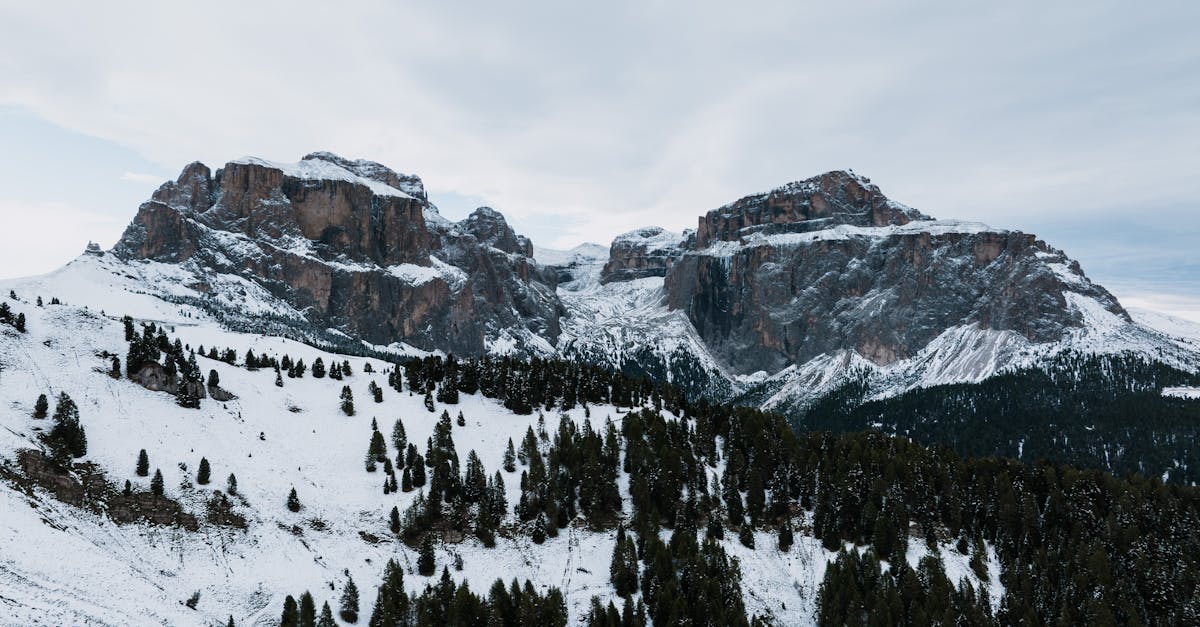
(579, 121)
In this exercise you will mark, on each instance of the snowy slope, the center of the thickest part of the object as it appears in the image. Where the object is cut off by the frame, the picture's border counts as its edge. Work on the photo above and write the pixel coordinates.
(58, 564)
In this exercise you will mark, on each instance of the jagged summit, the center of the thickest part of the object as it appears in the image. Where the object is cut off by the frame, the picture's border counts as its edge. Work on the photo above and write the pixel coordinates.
(776, 282)
(834, 198)
(353, 246)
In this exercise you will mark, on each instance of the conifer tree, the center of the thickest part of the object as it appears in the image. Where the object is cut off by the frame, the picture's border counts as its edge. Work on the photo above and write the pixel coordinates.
(418, 472)
(278, 378)
(395, 520)
(41, 406)
(785, 537)
(347, 401)
(510, 458)
(156, 483)
(128, 488)
(214, 379)
(318, 368)
(230, 623)
(204, 472)
(426, 564)
(19, 325)
(66, 438)
(126, 320)
(348, 605)
(538, 535)
(231, 484)
(308, 610)
(406, 482)
(326, 617)
(429, 403)
(115, 370)
(291, 613)
(293, 501)
(746, 536)
(376, 391)
(399, 442)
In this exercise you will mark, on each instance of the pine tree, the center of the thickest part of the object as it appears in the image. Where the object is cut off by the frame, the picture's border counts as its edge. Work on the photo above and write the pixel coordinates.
(230, 623)
(66, 438)
(214, 379)
(308, 610)
(318, 368)
(115, 370)
(785, 537)
(231, 484)
(293, 501)
(326, 618)
(156, 483)
(429, 403)
(41, 406)
(291, 613)
(746, 536)
(348, 605)
(510, 458)
(278, 379)
(399, 442)
(20, 323)
(377, 449)
(406, 482)
(126, 320)
(347, 401)
(538, 535)
(426, 564)
(203, 473)
(128, 488)
(376, 392)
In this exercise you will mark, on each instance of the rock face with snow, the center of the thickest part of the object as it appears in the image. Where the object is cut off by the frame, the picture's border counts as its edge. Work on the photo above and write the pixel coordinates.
(799, 279)
(354, 246)
(642, 253)
(830, 263)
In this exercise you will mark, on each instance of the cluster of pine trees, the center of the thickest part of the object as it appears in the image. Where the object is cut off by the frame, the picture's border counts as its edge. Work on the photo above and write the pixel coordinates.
(15, 321)
(179, 362)
(1092, 411)
(449, 603)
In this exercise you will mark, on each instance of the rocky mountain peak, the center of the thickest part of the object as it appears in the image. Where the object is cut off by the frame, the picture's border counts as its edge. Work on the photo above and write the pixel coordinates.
(833, 198)
(410, 184)
(354, 246)
(644, 252)
(491, 229)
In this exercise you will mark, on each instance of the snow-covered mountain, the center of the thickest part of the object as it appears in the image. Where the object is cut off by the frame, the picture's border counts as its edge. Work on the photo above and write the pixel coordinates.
(773, 300)
(70, 564)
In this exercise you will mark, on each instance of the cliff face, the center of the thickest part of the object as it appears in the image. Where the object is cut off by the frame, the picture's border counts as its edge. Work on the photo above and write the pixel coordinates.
(830, 263)
(349, 244)
(646, 252)
(824, 266)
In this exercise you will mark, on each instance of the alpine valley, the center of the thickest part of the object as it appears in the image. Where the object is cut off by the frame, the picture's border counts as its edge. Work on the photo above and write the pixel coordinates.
(294, 393)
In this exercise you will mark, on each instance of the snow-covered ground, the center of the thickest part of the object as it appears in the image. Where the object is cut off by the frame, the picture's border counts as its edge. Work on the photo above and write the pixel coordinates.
(61, 565)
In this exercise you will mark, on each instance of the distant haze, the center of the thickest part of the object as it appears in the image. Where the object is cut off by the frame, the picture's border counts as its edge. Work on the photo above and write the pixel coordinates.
(1079, 122)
